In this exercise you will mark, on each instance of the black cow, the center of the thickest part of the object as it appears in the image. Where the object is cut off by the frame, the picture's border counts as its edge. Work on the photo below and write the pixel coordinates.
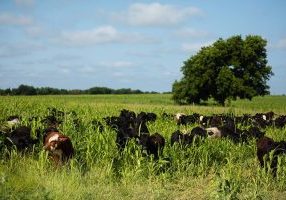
(153, 144)
(127, 125)
(215, 120)
(178, 136)
(183, 119)
(20, 138)
(188, 138)
(244, 120)
(259, 119)
(151, 117)
(280, 121)
(229, 131)
(51, 121)
(199, 131)
(264, 146)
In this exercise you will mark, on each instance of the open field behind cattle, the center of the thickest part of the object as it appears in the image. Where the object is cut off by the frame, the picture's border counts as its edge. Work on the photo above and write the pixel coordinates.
(215, 169)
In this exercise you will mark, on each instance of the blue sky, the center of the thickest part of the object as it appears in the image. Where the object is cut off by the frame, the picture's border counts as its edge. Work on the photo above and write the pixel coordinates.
(78, 44)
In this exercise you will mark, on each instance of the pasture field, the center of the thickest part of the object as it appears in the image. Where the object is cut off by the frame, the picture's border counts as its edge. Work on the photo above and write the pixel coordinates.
(214, 169)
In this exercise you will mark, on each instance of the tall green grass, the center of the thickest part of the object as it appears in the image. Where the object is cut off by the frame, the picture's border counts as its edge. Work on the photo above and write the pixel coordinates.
(214, 169)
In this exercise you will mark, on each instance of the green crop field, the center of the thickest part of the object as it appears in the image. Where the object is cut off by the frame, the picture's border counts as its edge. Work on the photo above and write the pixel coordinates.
(214, 169)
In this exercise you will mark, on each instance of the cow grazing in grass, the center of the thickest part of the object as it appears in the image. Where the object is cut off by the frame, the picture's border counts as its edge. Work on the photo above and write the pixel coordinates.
(140, 122)
(227, 130)
(199, 131)
(255, 132)
(264, 146)
(58, 145)
(215, 120)
(55, 112)
(259, 119)
(214, 132)
(183, 119)
(265, 116)
(280, 121)
(20, 138)
(188, 138)
(123, 131)
(153, 144)
(51, 121)
(244, 120)
(151, 117)
(181, 138)
(268, 116)
(179, 118)
(205, 120)
(236, 135)
(127, 125)
(246, 135)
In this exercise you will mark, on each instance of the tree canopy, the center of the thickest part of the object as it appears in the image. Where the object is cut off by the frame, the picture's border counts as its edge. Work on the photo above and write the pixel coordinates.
(230, 68)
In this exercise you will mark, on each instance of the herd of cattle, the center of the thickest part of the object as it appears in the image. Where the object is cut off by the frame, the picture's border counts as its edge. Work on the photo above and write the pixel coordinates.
(129, 125)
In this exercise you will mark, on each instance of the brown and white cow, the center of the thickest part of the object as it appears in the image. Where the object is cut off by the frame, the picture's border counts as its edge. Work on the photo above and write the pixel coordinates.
(58, 145)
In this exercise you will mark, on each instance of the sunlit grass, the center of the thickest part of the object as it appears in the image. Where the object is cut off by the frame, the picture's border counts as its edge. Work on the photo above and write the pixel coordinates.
(214, 169)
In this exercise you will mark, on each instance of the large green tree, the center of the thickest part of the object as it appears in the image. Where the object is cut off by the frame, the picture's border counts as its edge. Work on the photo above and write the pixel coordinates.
(230, 68)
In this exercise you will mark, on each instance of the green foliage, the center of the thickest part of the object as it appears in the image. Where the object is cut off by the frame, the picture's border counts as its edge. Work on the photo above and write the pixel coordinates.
(228, 68)
(25, 90)
(30, 90)
(212, 169)
(227, 84)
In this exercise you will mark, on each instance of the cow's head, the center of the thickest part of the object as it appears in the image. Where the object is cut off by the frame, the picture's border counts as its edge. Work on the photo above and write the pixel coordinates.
(214, 132)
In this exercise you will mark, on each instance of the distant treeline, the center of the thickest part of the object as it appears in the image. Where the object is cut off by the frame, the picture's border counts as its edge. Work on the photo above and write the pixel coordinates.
(30, 90)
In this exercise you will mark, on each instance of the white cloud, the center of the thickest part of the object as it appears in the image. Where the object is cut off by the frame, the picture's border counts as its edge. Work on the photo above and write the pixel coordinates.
(191, 33)
(156, 14)
(11, 19)
(99, 35)
(194, 47)
(102, 35)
